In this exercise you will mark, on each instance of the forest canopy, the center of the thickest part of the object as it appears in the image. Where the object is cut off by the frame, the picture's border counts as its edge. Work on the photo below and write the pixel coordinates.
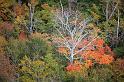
(61, 41)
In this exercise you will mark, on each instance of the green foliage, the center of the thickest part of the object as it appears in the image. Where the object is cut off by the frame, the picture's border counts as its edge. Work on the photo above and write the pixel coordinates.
(32, 57)
(36, 47)
(55, 69)
(44, 22)
(33, 48)
(119, 51)
(85, 6)
(100, 74)
(16, 50)
(40, 70)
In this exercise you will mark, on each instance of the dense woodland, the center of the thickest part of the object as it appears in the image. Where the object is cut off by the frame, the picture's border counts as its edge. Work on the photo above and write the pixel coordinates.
(61, 41)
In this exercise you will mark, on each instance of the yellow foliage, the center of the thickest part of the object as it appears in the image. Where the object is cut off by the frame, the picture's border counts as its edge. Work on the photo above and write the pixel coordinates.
(36, 35)
(19, 19)
(96, 30)
(6, 3)
(33, 67)
(3, 41)
(95, 15)
(37, 63)
(25, 69)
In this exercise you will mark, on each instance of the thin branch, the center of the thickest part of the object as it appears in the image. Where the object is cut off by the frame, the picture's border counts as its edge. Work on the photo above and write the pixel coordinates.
(113, 10)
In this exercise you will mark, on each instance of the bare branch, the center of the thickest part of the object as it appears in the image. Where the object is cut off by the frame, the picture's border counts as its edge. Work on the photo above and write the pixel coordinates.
(113, 11)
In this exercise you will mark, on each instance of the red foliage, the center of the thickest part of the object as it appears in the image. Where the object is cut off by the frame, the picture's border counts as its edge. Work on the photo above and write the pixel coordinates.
(7, 70)
(6, 26)
(22, 36)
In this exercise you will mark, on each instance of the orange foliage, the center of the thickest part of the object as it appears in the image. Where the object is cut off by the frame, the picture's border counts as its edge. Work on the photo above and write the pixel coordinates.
(100, 54)
(99, 42)
(74, 67)
(99, 58)
(97, 52)
(105, 59)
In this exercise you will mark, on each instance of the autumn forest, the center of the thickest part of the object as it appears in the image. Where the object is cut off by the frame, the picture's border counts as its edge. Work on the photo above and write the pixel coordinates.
(61, 41)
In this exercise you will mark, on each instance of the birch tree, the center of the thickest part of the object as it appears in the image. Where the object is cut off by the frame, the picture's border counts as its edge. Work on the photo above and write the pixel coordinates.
(31, 4)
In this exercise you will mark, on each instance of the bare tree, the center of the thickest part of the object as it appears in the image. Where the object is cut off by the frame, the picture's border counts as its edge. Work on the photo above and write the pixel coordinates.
(72, 29)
